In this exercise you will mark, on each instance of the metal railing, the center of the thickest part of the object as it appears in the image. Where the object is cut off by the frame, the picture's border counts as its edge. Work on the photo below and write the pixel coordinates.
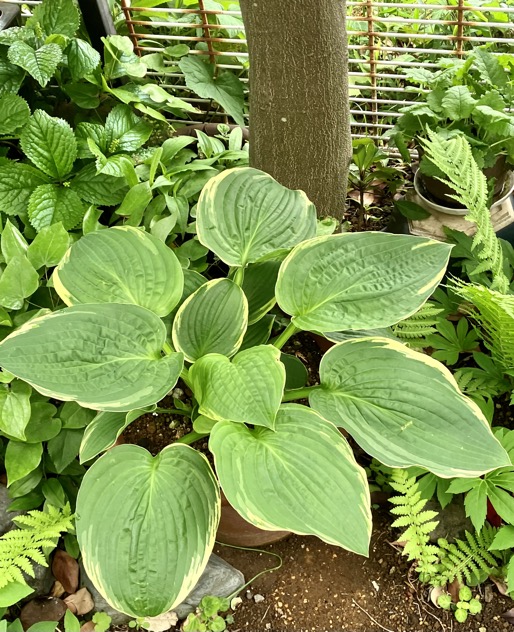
(385, 39)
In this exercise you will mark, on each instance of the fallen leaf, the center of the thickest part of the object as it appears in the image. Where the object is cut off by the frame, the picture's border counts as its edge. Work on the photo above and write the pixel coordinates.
(435, 593)
(453, 589)
(235, 602)
(488, 594)
(66, 570)
(57, 590)
(162, 622)
(89, 626)
(501, 585)
(80, 602)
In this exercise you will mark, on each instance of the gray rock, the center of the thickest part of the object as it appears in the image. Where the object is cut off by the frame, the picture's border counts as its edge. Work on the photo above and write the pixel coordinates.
(6, 523)
(219, 579)
(452, 520)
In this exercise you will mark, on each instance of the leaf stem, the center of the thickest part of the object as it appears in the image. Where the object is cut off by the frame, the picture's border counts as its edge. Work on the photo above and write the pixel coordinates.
(184, 374)
(191, 437)
(167, 348)
(171, 411)
(299, 393)
(289, 331)
(239, 276)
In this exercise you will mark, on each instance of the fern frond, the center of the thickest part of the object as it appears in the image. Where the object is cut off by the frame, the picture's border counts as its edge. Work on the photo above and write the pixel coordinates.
(21, 548)
(466, 560)
(495, 314)
(416, 328)
(454, 158)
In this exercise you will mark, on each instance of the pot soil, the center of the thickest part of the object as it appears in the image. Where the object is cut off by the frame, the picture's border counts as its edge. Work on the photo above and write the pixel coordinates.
(442, 193)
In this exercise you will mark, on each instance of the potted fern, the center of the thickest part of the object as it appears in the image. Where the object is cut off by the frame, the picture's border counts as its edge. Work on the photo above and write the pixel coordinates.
(469, 99)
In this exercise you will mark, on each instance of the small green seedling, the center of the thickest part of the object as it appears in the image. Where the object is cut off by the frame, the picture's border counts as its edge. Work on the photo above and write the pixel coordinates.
(207, 617)
(466, 605)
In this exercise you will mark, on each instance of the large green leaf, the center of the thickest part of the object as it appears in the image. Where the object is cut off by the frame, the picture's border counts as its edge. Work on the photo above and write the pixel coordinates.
(106, 357)
(404, 408)
(224, 88)
(259, 287)
(14, 112)
(248, 390)
(49, 246)
(301, 477)
(17, 183)
(458, 103)
(21, 459)
(100, 188)
(13, 243)
(359, 280)
(51, 203)
(244, 214)
(120, 265)
(11, 76)
(146, 526)
(102, 433)
(125, 131)
(212, 320)
(82, 58)
(40, 64)
(50, 144)
(56, 16)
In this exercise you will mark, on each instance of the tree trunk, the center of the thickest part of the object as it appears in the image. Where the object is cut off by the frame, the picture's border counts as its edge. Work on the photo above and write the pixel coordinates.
(299, 111)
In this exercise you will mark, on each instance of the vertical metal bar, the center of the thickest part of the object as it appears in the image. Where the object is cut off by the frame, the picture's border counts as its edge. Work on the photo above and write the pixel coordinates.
(460, 29)
(128, 19)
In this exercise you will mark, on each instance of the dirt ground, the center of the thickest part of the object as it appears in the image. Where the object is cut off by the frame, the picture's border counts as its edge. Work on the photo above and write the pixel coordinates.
(322, 588)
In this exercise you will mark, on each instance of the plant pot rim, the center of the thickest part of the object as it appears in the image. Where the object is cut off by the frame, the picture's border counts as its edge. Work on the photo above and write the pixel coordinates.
(434, 206)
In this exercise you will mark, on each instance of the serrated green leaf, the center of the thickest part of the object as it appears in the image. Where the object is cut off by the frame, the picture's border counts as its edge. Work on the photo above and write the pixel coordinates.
(50, 144)
(405, 409)
(212, 320)
(82, 58)
(504, 539)
(49, 246)
(458, 103)
(40, 64)
(98, 189)
(247, 390)
(120, 265)
(105, 357)
(125, 132)
(21, 459)
(17, 183)
(19, 280)
(224, 88)
(51, 203)
(178, 534)
(14, 113)
(293, 477)
(503, 502)
(56, 16)
(15, 410)
(11, 76)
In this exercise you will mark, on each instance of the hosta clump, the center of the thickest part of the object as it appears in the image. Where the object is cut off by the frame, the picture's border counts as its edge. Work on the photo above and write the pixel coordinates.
(136, 322)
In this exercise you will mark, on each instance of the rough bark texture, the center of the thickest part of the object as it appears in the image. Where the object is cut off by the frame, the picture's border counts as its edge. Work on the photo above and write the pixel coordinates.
(299, 111)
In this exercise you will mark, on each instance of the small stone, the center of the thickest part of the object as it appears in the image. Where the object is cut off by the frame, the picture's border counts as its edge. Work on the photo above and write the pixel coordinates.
(177, 393)
(6, 523)
(66, 570)
(42, 581)
(482, 629)
(452, 520)
(44, 609)
(249, 594)
(258, 598)
(236, 601)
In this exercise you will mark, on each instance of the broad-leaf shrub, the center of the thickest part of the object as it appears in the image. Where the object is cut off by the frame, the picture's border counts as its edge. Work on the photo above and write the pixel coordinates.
(282, 466)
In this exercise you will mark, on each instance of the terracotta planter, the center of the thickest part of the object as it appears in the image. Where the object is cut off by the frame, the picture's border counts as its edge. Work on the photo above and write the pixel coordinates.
(442, 193)
(235, 530)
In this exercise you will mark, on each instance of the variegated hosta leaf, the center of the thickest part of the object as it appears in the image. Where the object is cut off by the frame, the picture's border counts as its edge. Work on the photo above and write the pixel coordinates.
(120, 265)
(106, 356)
(248, 390)
(359, 280)
(404, 408)
(244, 214)
(301, 477)
(102, 433)
(259, 288)
(146, 526)
(212, 320)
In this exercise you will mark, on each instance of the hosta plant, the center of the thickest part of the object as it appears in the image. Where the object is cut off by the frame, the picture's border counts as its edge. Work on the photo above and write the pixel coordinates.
(136, 322)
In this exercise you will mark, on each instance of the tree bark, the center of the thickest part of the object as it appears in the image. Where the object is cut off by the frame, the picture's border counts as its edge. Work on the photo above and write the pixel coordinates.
(299, 111)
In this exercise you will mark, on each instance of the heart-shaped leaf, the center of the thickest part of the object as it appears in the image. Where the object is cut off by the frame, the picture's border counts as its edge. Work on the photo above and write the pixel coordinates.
(212, 320)
(244, 214)
(105, 357)
(404, 408)
(104, 430)
(301, 477)
(359, 280)
(248, 390)
(120, 265)
(40, 64)
(146, 526)
(15, 409)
